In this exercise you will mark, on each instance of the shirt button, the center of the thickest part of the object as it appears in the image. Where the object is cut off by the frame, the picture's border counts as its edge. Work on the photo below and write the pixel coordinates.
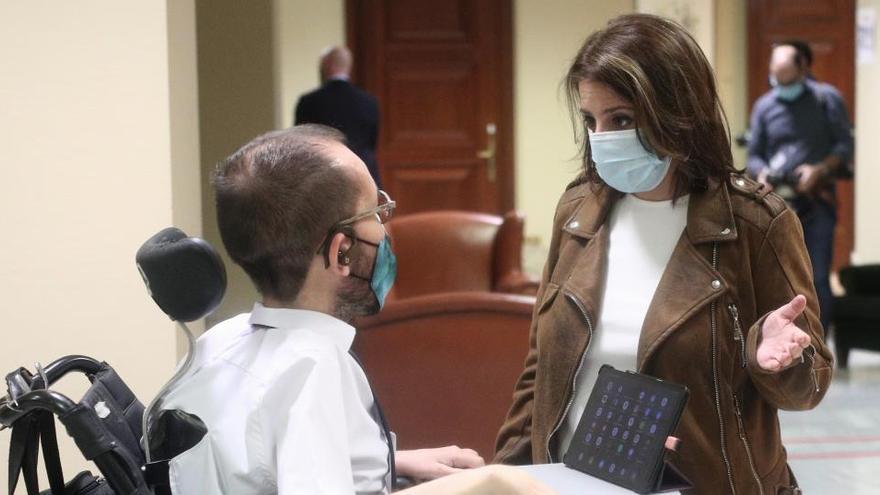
(716, 284)
(574, 225)
(740, 182)
(725, 231)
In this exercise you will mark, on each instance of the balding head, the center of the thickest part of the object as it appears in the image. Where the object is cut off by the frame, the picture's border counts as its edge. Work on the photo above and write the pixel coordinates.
(335, 62)
(276, 198)
(786, 65)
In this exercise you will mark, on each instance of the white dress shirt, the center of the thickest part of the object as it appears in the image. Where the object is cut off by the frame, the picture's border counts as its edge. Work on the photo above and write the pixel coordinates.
(642, 238)
(288, 410)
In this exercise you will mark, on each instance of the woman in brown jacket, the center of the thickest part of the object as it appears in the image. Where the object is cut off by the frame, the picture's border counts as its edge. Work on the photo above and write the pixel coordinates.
(666, 261)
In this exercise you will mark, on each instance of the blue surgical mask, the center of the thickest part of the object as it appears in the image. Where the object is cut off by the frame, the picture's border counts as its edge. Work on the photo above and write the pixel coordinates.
(787, 92)
(624, 164)
(384, 269)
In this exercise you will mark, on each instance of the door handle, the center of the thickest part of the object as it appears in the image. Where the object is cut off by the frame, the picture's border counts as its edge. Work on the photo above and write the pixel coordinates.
(488, 154)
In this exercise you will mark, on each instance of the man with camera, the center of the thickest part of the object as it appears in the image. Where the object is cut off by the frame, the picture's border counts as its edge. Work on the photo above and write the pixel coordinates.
(801, 140)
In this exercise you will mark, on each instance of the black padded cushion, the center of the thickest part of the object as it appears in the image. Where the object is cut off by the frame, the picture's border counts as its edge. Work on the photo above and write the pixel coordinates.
(184, 275)
(861, 280)
(857, 308)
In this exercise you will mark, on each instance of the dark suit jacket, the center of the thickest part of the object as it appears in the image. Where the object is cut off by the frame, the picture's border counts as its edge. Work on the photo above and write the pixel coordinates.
(341, 105)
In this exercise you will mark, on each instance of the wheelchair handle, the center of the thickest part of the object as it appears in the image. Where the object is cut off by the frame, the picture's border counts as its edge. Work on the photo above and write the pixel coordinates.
(62, 366)
(47, 400)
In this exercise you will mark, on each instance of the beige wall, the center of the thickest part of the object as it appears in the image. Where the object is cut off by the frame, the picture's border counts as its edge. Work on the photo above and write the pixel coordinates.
(867, 180)
(302, 29)
(255, 59)
(546, 36)
(92, 167)
(731, 69)
(236, 103)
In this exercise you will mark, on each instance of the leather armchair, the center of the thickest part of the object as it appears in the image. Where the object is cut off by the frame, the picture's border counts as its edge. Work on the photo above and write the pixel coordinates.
(449, 251)
(856, 315)
(444, 366)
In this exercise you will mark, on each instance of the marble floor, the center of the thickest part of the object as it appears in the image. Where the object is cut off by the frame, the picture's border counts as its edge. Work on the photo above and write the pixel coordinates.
(835, 448)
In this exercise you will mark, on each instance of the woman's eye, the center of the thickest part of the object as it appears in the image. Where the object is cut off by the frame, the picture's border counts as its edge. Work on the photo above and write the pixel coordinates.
(622, 121)
(590, 122)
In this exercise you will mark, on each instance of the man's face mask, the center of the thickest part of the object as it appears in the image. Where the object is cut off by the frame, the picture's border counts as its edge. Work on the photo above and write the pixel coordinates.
(384, 265)
(384, 269)
(624, 164)
(787, 92)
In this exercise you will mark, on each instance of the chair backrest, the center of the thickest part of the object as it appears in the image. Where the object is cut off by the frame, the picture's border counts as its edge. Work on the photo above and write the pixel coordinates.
(447, 251)
(863, 280)
(444, 365)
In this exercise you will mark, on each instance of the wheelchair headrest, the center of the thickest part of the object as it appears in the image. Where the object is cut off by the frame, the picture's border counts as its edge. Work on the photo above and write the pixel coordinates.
(184, 275)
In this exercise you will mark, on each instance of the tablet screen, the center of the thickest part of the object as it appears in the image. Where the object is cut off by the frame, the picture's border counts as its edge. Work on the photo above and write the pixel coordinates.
(622, 433)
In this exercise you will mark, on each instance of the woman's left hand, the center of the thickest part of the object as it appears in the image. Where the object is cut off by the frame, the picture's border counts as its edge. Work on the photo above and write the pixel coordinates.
(781, 340)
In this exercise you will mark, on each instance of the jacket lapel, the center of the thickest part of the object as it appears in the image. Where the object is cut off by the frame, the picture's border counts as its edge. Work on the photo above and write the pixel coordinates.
(586, 280)
(689, 282)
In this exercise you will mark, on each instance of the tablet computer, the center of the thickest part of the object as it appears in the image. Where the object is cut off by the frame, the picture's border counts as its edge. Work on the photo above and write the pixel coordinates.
(622, 434)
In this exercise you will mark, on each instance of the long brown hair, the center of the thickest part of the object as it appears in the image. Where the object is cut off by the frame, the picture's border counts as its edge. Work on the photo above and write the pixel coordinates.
(657, 66)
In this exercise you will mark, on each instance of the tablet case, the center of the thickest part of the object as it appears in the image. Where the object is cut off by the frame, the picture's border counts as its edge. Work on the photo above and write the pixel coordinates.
(621, 435)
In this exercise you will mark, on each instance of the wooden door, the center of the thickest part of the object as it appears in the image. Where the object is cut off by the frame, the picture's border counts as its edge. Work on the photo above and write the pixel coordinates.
(442, 71)
(829, 27)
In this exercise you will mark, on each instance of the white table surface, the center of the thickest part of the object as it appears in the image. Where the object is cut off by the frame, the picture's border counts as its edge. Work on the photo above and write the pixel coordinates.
(568, 481)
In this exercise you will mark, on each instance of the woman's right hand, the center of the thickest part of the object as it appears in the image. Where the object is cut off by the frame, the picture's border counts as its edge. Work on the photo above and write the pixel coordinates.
(781, 340)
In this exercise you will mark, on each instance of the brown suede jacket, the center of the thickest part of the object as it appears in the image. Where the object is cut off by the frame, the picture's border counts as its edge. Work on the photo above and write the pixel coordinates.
(740, 257)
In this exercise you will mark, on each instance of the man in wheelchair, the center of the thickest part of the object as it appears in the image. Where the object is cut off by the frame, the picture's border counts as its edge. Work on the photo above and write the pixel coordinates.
(287, 406)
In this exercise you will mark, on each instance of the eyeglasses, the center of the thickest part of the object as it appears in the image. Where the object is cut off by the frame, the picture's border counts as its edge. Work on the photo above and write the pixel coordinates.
(383, 212)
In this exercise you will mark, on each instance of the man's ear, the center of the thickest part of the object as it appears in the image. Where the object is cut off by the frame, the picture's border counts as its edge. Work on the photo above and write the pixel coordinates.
(340, 259)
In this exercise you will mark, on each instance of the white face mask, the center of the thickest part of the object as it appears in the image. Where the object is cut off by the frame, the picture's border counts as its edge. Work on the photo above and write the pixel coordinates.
(624, 164)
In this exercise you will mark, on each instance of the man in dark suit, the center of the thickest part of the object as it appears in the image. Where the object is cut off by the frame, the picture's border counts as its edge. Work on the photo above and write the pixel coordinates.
(339, 104)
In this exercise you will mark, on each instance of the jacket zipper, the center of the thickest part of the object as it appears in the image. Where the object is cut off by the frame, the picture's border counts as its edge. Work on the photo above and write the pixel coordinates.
(745, 441)
(713, 311)
(586, 316)
(812, 356)
(738, 334)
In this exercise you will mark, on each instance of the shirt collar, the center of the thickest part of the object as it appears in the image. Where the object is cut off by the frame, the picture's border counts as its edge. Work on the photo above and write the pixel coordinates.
(341, 333)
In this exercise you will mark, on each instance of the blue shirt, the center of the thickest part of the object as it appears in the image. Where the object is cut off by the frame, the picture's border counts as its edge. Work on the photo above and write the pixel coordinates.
(786, 134)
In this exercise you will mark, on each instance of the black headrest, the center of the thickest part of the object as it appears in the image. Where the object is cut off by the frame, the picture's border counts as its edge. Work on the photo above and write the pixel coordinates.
(184, 275)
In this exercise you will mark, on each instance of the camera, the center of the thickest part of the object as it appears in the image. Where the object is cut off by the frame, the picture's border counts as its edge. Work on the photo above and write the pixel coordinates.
(784, 184)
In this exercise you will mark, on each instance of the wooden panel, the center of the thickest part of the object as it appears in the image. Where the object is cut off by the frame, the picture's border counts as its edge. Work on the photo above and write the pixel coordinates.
(447, 21)
(829, 27)
(452, 87)
(785, 11)
(442, 71)
(420, 186)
